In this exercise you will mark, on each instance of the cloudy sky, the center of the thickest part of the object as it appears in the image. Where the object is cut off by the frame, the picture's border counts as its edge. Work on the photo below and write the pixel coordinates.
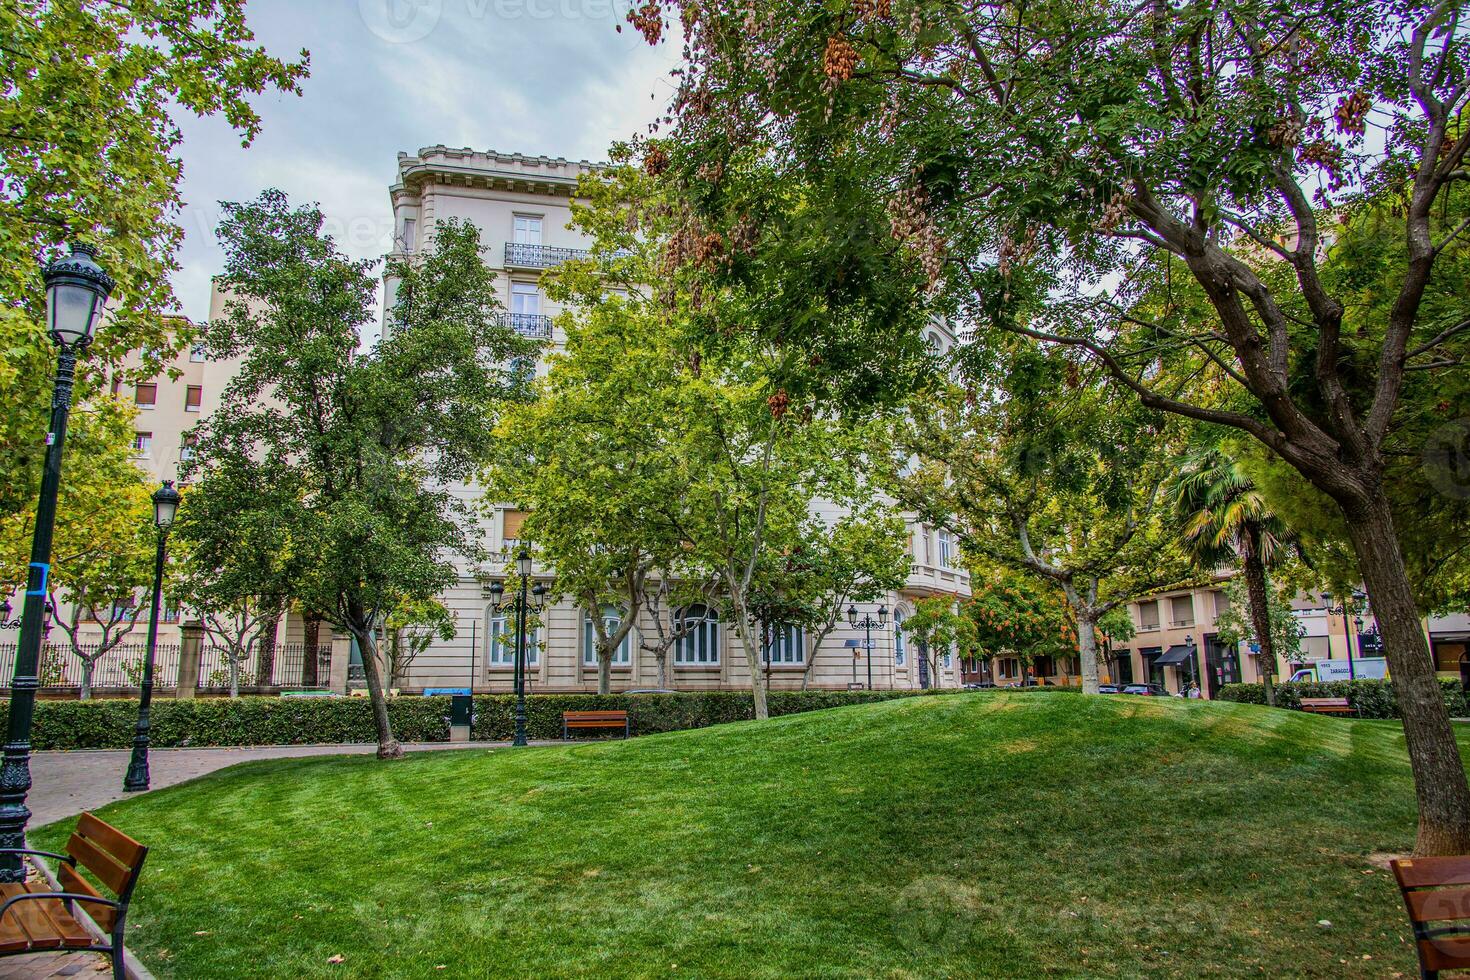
(550, 77)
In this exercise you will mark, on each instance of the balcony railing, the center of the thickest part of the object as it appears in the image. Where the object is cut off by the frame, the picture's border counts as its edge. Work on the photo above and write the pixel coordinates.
(527, 324)
(522, 256)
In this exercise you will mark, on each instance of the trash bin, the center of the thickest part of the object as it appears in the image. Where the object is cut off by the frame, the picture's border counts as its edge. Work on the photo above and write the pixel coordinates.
(461, 716)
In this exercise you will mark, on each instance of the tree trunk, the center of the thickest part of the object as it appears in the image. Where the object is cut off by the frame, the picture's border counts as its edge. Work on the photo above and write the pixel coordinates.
(85, 692)
(388, 747)
(1439, 773)
(1260, 609)
(604, 670)
(923, 665)
(1087, 650)
(235, 658)
(266, 661)
(311, 653)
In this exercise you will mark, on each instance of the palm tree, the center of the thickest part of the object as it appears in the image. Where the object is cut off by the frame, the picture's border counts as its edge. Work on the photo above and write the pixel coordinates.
(1227, 520)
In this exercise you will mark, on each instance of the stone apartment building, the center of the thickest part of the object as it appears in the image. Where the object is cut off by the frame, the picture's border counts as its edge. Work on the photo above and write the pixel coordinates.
(521, 206)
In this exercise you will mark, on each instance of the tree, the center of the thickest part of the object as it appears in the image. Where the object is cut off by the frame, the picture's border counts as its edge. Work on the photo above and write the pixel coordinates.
(351, 452)
(1239, 624)
(1048, 474)
(669, 610)
(1227, 520)
(1036, 158)
(1018, 615)
(91, 92)
(940, 628)
(410, 628)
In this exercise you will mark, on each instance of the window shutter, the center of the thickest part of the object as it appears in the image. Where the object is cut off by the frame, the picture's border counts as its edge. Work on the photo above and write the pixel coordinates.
(514, 519)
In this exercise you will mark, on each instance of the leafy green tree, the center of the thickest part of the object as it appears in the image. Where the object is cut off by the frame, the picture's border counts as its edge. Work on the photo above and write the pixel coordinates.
(939, 627)
(1049, 475)
(92, 89)
(1227, 521)
(351, 453)
(1035, 159)
(1018, 615)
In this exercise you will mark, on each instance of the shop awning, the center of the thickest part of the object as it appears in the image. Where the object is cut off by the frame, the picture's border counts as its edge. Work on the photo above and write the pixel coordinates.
(1175, 655)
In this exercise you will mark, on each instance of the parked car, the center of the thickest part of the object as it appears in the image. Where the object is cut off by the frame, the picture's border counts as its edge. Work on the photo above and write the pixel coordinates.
(1146, 690)
(979, 685)
(1109, 689)
(650, 690)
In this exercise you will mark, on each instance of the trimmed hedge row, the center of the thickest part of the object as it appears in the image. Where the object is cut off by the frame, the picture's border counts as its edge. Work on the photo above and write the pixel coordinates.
(1372, 698)
(108, 724)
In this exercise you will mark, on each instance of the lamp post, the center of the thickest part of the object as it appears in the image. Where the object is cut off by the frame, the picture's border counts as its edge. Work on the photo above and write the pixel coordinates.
(1193, 661)
(521, 608)
(1347, 635)
(165, 506)
(76, 290)
(6, 623)
(867, 623)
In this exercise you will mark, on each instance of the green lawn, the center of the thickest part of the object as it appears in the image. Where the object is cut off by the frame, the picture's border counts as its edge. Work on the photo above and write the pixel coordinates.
(988, 834)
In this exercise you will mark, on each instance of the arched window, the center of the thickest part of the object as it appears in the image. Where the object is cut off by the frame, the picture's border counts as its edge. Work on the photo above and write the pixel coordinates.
(612, 619)
(788, 646)
(900, 642)
(500, 637)
(700, 647)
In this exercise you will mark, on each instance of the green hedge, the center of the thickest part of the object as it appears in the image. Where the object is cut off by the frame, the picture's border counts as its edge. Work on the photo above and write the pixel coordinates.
(1373, 699)
(108, 724)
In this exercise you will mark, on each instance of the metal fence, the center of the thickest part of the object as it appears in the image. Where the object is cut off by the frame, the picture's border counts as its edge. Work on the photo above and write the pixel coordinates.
(122, 666)
(285, 667)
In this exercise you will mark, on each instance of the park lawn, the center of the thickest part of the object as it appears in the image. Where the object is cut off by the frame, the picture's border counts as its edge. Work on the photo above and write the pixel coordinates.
(987, 834)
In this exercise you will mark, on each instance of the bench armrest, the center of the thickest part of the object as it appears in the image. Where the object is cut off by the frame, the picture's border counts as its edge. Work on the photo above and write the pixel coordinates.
(64, 858)
(73, 896)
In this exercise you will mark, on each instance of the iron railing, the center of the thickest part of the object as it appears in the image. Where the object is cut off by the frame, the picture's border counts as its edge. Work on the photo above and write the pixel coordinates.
(532, 325)
(287, 666)
(519, 255)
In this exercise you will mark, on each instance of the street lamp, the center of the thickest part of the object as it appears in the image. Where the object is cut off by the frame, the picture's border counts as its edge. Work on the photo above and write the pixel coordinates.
(76, 290)
(165, 506)
(522, 608)
(1347, 636)
(6, 623)
(867, 623)
(1193, 661)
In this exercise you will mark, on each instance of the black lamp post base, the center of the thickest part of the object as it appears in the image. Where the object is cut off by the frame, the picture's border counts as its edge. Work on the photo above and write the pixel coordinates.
(136, 781)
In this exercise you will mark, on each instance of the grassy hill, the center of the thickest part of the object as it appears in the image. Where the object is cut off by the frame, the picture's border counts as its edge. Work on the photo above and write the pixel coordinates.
(993, 834)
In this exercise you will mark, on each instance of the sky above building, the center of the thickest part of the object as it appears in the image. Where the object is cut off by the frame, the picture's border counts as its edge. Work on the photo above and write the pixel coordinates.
(541, 77)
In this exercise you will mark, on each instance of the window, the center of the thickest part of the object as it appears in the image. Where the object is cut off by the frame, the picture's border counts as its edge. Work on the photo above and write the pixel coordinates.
(900, 643)
(700, 647)
(948, 660)
(788, 646)
(1181, 610)
(186, 446)
(142, 443)
(408, 241)
(193, 396)
(145, 395)
(946, 547)
(527, 230)
(501, 638)
(511, 523)
(612, 618)
(196, 352)
(1148, 615)
(525, 299)
(1219, 603)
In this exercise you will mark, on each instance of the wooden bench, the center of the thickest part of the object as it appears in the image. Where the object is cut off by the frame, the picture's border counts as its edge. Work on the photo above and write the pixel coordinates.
(1436, 891)
(594, 719)
(1328, 706)
(34, 919)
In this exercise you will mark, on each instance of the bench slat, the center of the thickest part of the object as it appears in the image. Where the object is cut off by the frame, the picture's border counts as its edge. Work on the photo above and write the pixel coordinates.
(1429, 872)
(70, 881)
(126, 851)
(37, 925)
(1445, 953)
(65, 924)
(12, 936)
(100, 863)
(591, 715)
(1438, 904)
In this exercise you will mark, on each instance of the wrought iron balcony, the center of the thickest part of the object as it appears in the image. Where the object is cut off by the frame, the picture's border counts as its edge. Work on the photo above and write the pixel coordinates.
(527, 324)
(522, 256)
